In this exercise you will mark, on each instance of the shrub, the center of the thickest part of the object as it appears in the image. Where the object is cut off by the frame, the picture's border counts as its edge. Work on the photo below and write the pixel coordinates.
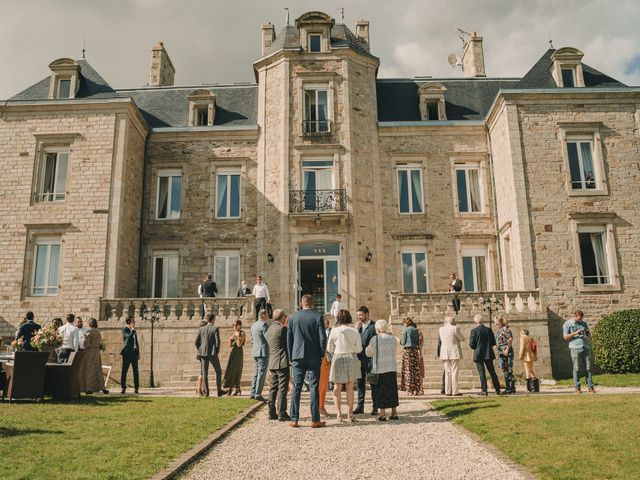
(616, 342)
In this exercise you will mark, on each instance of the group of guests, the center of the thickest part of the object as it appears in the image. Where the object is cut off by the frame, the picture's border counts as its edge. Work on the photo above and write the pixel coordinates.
(260, 291)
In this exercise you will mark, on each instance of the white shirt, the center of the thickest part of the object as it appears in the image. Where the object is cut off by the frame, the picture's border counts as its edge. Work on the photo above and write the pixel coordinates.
(336, 307)
(261, 291)
(70, 337)
(200, 290)
(82, 334)
(344, 339)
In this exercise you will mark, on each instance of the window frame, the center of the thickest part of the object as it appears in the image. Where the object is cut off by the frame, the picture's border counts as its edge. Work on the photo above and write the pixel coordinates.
(201, 113)
(465, 166)
(570, 132)
(409, 167)
(413, 251)
(227, 254)
(168, 173)
(39, 194)
(314, 35)
(574, 76)
(39, 241)
(59, 80)
(471, 250)
(228, 172)
(588, 223)
(165, 255)
(315, 88)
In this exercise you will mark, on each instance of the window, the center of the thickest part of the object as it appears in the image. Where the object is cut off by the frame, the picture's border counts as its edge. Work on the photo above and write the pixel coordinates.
(468, 188)
(474, 269)
(414, 272)
(594, 255)
(316, 110)
(169, 191)
(165, 275)
(64, 88)
(410, 189)
(46, 266)
(433, 110)
(568, 77)
(317, 184)
(226, 273)
(53, 182)
(315, 43)
(581, 168)
(228, 194)
(202, 116)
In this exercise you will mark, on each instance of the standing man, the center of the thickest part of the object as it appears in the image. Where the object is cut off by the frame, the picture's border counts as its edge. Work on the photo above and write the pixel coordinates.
(278, 366)
(450, 353)
(260, 352)
(455, 285)
(209, 290)
(577, 333)
(337, 305)
(130, 355)
(482, 340)
(367, 330)
(70, 339)
(82, 332)
(208, 345)
(306, 343)
(261, 296)
(27, 330)
(243, 291)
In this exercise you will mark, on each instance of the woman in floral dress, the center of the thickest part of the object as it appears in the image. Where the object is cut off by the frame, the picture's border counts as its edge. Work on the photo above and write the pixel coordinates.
(504, 342)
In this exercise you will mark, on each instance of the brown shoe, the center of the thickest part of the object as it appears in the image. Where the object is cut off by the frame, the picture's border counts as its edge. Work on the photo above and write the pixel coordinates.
(318, 424)
(294, 424)
(578, 391)
(591, 390)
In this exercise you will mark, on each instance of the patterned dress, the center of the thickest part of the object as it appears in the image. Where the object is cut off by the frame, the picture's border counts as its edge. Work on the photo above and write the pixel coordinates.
(505, 362)
(410, 380)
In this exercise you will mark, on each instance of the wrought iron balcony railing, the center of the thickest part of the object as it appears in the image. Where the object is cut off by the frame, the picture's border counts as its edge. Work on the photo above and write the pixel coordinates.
(313, 128)
(307, 201)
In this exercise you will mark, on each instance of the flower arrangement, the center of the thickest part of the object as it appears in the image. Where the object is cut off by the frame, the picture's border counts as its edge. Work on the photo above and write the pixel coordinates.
(46, 337)
(17, 344)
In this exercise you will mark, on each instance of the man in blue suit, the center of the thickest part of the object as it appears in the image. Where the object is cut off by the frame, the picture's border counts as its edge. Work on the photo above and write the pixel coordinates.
(482, 340)
(260, 353)
(27, 330)
(306, 342)
(367, 330)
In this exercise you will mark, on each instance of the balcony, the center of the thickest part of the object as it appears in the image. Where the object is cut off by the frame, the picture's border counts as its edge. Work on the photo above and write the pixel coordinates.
(318, 206)
(316, 128)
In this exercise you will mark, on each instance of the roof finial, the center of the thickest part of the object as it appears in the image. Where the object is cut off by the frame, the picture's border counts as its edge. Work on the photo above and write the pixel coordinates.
(550, 41)
(287, 19)
(84, 44)
(341, 10)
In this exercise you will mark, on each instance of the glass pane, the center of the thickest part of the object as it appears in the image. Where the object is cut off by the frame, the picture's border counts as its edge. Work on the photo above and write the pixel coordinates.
(317, 163)
(421, 272)
(158, 275)
(403, 189)
(176, 186)
(48, 185)
(54, 267)
(574, 165)
(64, 88)
(322, 105)
(467, 274)
(61, 175)
(432, 111)
(163, 196)
(309, 180)
(567, 77)
(463, 204)
(172, 277)
(221, 197)
(597, 243)
(481, 274)
(220, 274)
(314, 43)
(234, 276)
(324, 179)
(474, 190)
(235, 196)
(416, 191)
(309, 99)
(587, 165)
(331, 282)
(40, 279)
(407, 273)
(588, 258)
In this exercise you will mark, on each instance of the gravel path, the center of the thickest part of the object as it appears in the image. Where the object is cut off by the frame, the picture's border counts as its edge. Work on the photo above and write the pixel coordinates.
(422, 444)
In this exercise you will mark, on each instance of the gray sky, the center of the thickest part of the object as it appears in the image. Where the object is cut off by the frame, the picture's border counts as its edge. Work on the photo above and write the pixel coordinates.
(216, 41)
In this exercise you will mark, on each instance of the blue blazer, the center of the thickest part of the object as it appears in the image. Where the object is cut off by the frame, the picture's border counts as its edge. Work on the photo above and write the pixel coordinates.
(131, 346)
(366, 334)
(259, 345)
(482, 340)
(306, 338)
(27, 330)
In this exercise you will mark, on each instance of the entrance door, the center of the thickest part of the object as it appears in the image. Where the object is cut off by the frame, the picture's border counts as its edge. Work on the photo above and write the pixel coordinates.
(318, 273)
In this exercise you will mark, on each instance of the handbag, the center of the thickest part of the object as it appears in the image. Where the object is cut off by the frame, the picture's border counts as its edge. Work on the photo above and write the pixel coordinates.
(373, 378)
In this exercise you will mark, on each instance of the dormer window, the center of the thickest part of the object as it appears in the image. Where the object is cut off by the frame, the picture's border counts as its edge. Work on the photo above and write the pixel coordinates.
(315, 31)
(65, 78)
(202, 108)
(315, 42)
(64, 88)
(566, 68)
(432, 104)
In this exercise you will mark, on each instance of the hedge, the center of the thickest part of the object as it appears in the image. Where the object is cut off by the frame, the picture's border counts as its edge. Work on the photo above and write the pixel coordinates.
(616, 342)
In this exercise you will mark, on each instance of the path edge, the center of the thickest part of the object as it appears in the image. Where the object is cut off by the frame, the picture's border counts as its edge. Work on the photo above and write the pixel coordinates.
(187, 458)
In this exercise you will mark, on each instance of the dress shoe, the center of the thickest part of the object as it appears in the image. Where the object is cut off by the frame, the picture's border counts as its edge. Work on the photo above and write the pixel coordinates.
(318, 424)
(578, 391)
(447, 394)
(592, 390)
(273, 416)
(457, 394)
(105, 391)
(374, 411)
(260, 398)
(484, 394)
(382, 419)
(221, 393)
(135, 391)
(294, 424)
(358, 411)
(393, 417)
(284, 417)
(123, 391)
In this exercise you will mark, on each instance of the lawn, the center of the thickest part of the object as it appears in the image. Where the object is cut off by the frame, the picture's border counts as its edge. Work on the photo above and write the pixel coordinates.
(105, 437)
(558, 437)
(608, 380)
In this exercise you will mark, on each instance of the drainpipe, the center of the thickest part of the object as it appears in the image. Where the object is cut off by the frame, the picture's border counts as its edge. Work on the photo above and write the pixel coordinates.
(142, 217)
(494, 213)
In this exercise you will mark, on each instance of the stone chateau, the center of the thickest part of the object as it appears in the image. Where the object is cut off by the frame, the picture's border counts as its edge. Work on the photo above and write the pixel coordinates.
(323, 178)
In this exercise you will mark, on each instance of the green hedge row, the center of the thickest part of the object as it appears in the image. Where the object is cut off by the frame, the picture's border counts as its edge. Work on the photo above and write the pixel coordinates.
(616, 342)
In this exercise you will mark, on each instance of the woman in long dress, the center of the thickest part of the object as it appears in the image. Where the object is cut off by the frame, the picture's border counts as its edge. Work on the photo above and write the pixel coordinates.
(233, 373)
(91, 378)
(410, 381)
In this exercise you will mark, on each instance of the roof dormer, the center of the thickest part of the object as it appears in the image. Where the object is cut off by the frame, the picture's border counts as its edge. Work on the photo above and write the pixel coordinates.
(202, 108)
(432, 106)
(315, 32)
(65, 78)
(566, 67)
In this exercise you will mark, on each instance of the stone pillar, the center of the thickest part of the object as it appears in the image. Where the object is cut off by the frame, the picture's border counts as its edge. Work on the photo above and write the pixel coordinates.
(362, 31)
(268, 36)
(162, 70)
(473, 57)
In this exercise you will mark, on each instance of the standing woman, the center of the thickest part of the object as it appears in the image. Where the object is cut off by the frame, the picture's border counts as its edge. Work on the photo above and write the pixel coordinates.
(233, 373)
(382, 349)
(411, 381)
(504, 342)
(325, 368)
(344, 345)
(528, 353)
(91, 379)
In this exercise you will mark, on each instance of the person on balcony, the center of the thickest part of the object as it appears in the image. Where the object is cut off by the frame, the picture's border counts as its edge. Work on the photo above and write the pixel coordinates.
(261, 296)
(455, 286)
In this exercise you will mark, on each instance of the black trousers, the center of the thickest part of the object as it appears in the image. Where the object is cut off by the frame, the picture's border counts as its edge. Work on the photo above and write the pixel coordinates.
(204, 371)
(362, 385)
(126, 362)
(259, 304)
(456, 303)
(278, 391)
(483, 376)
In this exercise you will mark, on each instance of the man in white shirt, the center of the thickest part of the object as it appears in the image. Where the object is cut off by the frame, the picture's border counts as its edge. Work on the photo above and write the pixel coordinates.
(82, 332)
(261, 296)
(70, 339)
(337, 305)
(450, 354)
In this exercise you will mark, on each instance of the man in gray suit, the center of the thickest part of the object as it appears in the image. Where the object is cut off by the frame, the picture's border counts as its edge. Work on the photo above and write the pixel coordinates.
(208, 345)
(278, 366)
(260, 352)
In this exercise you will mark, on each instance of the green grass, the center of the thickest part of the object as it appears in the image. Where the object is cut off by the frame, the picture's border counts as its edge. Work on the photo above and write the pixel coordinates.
(559, 437)
(609, 380)
(105, 437)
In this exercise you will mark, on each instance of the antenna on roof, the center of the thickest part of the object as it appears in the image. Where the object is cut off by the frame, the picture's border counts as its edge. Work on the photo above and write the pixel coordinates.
(464, 36)
(341, 10)
(550, 41)
(287, 18)
(84, 44)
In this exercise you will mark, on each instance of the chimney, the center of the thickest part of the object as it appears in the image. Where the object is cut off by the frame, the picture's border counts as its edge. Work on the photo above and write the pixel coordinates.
(162, 70)
(362, 31)
(268, 36)
(473, 57)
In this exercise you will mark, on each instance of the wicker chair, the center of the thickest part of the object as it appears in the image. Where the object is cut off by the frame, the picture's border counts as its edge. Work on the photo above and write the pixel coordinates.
(25, 377)
(62, 380)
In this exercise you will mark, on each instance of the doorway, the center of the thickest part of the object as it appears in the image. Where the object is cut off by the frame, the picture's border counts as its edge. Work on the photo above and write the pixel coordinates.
(318, 274)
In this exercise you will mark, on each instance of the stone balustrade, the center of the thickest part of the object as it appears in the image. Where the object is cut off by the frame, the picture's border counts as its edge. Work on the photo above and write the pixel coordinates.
(177, 309)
